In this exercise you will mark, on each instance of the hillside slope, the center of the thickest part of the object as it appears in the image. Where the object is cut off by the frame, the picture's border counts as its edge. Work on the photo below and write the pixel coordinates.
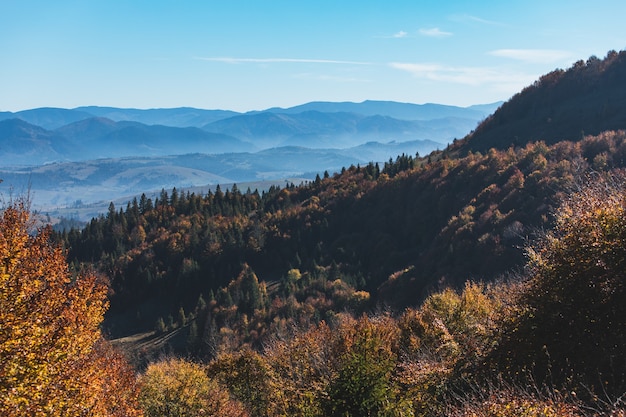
(373, 235)
(588, 98)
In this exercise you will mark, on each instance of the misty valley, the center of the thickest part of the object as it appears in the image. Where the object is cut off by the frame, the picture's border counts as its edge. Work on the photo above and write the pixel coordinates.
(73, 162)
(330, 259)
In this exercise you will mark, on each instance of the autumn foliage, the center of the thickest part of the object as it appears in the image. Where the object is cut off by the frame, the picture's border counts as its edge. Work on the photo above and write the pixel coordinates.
(409, 289)
(53, 361)
(178, 388)
(569, 322)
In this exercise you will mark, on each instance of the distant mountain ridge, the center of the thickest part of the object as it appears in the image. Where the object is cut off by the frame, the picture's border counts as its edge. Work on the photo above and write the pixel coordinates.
(22, 143)
(52, 118)
(47, 117)
(404, 111)
(175, 117)
(51, 134)
(86, 150)
(316, 129)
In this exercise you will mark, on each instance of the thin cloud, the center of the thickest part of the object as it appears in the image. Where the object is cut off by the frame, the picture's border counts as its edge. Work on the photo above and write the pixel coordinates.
(476, 19)
(398, 35)
(543, 56)
(434, 33)
(473, 76)
(230, 60)
(333, 78)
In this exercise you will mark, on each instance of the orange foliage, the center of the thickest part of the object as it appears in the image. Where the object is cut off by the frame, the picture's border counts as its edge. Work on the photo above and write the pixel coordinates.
(50, 361)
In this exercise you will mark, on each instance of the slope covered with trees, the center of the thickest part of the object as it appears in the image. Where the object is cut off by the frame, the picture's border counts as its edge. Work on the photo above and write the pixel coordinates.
(586, 99)
(462, 283)
(395, 233)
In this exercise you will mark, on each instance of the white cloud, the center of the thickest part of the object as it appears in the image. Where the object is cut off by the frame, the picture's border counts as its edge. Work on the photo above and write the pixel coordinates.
(435, 33)
(230, 60)
(398, 35)
(542, 56)
(500, 80)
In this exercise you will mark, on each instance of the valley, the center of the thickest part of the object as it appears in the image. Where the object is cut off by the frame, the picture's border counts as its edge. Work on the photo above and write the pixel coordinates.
(312, 209)
(74, 162)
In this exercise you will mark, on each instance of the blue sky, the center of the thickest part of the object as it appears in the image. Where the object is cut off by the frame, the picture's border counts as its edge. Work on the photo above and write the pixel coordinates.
(251, 55)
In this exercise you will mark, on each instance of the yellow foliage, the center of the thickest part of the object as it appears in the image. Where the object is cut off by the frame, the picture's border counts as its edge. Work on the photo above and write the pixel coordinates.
(51, 360)
(304, 365)
(450, 324)
(177, 388)
(251, 380)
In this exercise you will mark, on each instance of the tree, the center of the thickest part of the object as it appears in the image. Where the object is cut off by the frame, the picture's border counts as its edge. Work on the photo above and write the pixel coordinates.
(250, 380)
(304, 364)
(53, 361)
(364, 385)
(177, 388)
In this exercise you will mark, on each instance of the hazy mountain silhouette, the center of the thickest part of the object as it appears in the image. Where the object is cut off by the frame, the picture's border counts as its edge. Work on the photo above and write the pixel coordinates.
(316, 129)
(176, 117)
(47, 117)
(297, 142)
(22, 143)
(405, 111)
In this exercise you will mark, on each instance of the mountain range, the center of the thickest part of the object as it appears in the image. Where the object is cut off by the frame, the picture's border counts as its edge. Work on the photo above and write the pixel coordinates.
(44, 135)
(486, 278)
(39, 145)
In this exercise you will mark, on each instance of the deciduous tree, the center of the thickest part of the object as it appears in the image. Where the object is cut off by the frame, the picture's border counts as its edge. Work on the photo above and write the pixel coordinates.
(52, 359)
(177, 388)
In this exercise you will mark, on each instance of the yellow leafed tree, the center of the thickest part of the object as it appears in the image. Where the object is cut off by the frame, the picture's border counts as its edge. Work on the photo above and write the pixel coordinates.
(53, 361)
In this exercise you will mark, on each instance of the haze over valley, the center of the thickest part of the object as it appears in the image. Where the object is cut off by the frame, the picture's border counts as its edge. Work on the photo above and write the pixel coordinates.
(238, 209)
(73, 158)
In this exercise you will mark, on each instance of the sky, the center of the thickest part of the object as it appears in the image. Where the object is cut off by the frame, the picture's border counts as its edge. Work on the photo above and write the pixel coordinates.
(252, 55)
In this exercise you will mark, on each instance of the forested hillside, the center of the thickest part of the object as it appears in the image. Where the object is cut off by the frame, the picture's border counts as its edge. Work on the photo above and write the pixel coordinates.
(586, 99)
(480, 280)
(397, 233)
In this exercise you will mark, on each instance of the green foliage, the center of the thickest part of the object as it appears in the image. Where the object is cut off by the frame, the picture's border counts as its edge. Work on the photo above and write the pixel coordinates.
(250, 379)
(363, 385)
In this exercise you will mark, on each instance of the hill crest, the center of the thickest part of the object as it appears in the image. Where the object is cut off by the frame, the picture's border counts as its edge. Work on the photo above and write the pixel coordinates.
(586, 99)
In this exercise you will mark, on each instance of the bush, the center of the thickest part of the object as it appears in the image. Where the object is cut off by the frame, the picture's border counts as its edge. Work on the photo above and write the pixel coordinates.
(570, 320)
